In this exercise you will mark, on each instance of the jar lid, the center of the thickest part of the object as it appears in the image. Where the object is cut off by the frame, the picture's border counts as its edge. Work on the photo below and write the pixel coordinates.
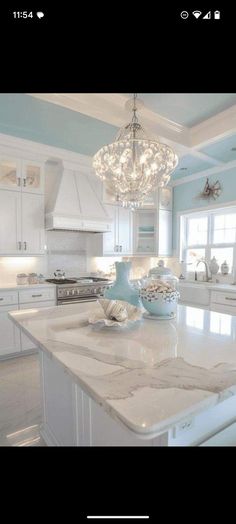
(160, 269)
(21, 275)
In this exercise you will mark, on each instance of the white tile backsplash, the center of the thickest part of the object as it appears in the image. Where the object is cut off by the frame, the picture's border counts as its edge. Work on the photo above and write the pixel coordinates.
(10, 266)
(66, 250)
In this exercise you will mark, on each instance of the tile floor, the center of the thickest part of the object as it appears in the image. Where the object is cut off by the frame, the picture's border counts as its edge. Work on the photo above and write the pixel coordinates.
(20, 409)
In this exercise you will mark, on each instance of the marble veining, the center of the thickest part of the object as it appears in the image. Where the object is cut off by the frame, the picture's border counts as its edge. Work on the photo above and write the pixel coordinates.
(150, 375)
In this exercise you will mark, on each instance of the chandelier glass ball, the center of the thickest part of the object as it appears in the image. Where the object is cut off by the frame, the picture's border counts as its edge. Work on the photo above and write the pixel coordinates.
(133, 166)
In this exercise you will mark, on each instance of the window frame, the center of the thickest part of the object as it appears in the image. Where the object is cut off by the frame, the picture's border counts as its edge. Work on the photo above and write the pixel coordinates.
(210, 214)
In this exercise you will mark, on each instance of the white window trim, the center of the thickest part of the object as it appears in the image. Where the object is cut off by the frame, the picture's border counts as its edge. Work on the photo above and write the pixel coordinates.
(209, 212)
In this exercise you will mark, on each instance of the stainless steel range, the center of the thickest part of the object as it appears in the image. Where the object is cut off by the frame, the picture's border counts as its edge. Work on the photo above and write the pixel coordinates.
(83, 289)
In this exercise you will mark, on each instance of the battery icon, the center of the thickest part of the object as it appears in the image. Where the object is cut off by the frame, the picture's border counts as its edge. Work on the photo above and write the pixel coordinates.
(217, 15)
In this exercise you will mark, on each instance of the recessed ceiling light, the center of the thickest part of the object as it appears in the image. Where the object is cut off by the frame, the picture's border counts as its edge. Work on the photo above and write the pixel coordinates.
(185, 168)
(233, 149)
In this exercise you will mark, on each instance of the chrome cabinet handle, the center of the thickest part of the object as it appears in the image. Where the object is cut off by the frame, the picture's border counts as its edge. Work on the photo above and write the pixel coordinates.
(228, 298)
(1, 298)
(120, 248)
(33, 296)
(24, 182)
(18, 181)
(25, 246)
(19, 245)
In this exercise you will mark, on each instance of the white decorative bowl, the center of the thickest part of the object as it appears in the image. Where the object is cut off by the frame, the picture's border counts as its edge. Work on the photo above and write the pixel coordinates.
(161, 303)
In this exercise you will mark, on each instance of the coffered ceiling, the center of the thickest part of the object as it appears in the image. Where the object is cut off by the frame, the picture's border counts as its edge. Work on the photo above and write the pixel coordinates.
(200, 127)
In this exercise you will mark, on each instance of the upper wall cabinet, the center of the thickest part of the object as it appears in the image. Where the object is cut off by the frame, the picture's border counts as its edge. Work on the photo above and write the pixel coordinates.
(21, 175)
(10, 173)
(32, 176)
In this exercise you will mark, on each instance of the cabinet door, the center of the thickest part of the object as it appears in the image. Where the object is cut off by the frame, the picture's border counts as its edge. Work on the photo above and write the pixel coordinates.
(145, 231)
(165, 233)
(165, 198)
(110, 239)
(125, 230)
(33, 234)
(10, 173)
(10, 223)
(10, 334)
(26, 343)
(32, 174)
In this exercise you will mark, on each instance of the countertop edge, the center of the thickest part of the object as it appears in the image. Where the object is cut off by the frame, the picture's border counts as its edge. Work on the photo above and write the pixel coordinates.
(142, 433)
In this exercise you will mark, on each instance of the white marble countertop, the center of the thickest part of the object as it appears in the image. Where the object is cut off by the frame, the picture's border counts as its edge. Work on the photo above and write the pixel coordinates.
(209, 285)
(150, 376)
(17, 287)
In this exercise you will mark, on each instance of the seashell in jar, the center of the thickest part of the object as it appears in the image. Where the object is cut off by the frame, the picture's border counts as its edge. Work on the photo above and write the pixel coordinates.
(113, 310)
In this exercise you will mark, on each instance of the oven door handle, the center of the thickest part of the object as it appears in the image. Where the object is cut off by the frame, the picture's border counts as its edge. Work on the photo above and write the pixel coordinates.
(67, 302)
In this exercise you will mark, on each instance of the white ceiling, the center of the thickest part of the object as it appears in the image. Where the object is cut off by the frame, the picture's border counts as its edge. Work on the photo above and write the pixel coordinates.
(204, 143)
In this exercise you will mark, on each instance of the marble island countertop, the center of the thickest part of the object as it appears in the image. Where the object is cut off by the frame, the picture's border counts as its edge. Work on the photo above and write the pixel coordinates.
(149, 376)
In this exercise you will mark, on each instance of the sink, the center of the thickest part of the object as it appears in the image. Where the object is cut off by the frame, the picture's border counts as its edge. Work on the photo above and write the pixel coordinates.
(194, 292)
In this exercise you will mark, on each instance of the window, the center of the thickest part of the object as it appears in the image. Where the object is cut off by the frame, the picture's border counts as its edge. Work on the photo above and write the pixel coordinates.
(209, 234)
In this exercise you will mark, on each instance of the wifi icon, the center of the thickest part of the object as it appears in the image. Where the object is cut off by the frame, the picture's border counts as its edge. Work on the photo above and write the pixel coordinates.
(197, 13)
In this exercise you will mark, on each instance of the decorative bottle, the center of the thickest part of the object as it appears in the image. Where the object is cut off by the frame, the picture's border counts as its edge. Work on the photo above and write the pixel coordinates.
(224, 268)
(122, 288)
(213, 266)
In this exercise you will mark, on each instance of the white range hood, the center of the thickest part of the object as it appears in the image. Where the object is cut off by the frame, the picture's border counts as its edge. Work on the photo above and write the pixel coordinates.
(77, 204)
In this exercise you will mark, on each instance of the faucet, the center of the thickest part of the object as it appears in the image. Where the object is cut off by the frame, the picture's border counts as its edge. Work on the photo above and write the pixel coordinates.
(206, 269)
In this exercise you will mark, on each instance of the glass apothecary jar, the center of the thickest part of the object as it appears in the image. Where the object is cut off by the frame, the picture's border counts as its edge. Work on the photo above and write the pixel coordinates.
(160, 272)
(33, 278)
(159, 292)
(21, 279)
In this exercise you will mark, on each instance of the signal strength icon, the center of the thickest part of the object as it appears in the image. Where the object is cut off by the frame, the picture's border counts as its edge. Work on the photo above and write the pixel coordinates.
(207, 16)
(197, 13)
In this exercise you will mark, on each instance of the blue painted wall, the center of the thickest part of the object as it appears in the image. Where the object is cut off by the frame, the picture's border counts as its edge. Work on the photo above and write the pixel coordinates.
(184, 195)
(33, 119)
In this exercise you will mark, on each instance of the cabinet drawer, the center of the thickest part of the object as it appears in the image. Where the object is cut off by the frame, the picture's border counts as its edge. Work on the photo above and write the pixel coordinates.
(36, 295)
(227, 299)
(8, 298)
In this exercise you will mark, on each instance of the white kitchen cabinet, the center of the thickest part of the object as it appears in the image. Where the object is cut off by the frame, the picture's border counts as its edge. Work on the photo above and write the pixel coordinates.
(164, 234)
(35, 298)
(58, 404)
(145, 226)
(10, 173)
(33, 233)
(118, 241)
(21, 175)
(21, 223)
(108, 240)
(10, 222)
(153, 232)
(125, 220)
(223, 301)
(32, 176)
(165, 198)
(10, 334)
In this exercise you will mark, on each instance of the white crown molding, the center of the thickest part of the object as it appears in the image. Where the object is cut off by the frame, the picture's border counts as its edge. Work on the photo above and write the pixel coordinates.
(205, 208)
(206, 173)
(27, 148)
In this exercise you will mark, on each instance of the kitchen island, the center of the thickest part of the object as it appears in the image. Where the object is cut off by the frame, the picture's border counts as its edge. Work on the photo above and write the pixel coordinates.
(157, 383)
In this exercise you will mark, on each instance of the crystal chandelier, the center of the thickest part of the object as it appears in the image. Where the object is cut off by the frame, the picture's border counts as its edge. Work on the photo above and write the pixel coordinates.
(133, 166)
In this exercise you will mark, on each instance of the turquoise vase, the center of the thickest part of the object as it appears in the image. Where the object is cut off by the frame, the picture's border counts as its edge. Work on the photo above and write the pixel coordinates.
(122, 289)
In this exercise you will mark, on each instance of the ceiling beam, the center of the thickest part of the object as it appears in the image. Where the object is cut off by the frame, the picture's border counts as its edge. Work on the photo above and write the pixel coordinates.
(213, 129)
(204, 173)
